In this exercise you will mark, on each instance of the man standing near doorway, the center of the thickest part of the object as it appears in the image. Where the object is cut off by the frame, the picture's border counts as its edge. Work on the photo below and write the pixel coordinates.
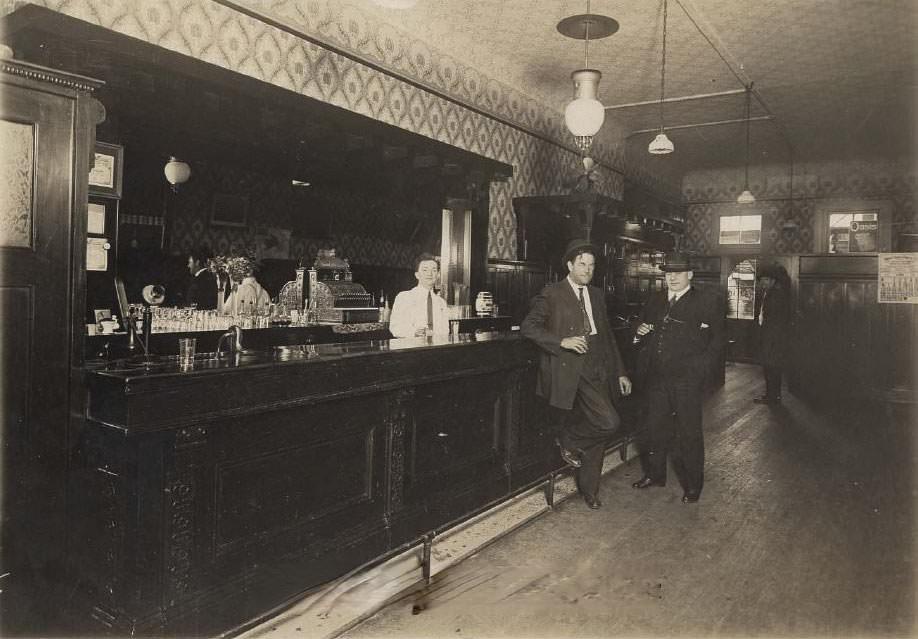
(680, 340)
(579, 360)
(772, 319)
(419, 311)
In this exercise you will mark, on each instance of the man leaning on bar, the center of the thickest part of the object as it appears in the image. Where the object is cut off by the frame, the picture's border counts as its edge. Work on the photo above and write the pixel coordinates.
(579, 362)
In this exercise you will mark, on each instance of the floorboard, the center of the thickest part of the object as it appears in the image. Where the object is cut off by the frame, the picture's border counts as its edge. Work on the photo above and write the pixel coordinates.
(805, 528)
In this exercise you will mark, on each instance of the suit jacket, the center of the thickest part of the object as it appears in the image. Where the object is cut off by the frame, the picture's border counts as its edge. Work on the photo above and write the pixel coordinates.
(202, 290)
(555, 314)
(688, 339)
(775, 328)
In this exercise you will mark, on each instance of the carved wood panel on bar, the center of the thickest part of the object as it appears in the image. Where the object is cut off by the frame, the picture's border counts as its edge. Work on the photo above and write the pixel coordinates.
(250, 484)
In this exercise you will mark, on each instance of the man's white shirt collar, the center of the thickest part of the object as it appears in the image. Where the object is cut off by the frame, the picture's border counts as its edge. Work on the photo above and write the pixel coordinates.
(677, 296)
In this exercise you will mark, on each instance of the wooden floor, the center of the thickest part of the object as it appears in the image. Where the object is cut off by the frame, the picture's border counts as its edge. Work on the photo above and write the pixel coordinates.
(805, 529)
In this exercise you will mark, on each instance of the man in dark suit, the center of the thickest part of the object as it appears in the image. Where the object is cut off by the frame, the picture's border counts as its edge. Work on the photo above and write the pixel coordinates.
(680, 340)
(202, 289)
(772, 317)
(578, 362)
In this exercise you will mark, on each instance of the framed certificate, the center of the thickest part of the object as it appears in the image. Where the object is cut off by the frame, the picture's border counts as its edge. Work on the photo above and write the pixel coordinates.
(105, 175)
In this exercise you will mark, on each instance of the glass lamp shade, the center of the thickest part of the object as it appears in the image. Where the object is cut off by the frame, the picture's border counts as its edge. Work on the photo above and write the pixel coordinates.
(746, 197)
(661, 145)
(584, 117)
(585, 114)
(176, 171)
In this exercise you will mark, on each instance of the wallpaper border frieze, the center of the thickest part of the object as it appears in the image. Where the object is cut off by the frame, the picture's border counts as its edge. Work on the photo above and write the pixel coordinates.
(350, 32)
(220, 34)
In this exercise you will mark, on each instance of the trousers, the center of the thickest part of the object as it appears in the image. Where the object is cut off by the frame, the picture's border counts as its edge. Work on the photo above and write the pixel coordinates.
(673, 428)
(589, 425)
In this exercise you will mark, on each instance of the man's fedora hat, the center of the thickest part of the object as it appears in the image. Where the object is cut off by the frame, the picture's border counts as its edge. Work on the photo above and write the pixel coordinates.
(576, 247)
(676, 263)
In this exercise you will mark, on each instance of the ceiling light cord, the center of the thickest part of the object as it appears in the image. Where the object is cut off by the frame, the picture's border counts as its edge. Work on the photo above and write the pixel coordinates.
(663, 65)
(748, 96)
(586, 39)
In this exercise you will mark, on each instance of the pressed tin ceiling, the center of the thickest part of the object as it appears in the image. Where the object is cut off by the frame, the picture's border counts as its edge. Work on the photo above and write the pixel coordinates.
(839, 76)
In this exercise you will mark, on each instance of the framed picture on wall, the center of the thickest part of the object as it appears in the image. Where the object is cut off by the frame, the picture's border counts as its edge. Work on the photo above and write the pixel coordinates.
(105, 175)
(229, 210)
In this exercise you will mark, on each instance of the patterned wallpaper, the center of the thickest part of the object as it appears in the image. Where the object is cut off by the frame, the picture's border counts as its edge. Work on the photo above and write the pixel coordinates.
(229, 39)
(16, 163)
(708, 194)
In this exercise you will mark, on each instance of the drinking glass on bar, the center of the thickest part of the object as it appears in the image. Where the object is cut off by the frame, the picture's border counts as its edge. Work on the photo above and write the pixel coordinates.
(186, 351)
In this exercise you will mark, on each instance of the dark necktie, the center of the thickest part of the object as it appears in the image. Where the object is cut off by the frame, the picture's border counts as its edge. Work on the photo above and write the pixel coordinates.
(430, 310)
(587, 329)
(672, 300)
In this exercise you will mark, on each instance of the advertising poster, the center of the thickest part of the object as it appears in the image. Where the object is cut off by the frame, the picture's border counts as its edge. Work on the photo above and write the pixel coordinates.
(897, 275)
(862, 236)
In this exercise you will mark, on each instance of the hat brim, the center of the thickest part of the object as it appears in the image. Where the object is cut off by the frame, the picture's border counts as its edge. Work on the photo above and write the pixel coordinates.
(574, 251)
(676, 268)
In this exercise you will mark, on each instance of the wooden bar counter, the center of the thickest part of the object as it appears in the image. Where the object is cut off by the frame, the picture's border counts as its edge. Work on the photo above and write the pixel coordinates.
(207, 496)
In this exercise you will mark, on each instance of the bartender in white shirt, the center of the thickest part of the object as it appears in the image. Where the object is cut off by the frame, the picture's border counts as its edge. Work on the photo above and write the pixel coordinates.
(420, 312)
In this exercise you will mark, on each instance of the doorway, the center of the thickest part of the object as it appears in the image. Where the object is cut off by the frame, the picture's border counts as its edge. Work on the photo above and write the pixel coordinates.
(740, 273)
(740, 297)
(456, 255)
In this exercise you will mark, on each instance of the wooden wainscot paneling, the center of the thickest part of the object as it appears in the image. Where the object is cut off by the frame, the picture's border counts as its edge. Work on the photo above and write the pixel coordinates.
(849, 346)
(514, 284)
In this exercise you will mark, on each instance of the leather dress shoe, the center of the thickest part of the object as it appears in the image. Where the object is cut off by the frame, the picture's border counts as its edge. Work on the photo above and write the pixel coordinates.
(647, 482)
(691, 496)
(569, 456)
(765, 399)
(592, 502)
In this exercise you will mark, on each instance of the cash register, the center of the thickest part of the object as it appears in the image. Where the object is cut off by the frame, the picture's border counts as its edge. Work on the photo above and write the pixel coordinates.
(334, 296)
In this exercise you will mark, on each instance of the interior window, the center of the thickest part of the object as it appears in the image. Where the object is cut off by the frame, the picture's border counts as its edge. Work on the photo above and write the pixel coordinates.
(853, 232)
(741, 229)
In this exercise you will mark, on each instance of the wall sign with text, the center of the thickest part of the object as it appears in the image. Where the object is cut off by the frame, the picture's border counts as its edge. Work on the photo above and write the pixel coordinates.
(105, 175)
(897, 275)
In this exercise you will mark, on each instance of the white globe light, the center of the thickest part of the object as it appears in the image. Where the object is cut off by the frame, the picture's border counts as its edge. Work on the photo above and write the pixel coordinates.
(176, 171)
(584, 116)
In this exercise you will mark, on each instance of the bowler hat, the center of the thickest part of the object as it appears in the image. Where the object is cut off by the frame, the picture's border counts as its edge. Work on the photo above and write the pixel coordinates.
(676, 263)
(576, 247)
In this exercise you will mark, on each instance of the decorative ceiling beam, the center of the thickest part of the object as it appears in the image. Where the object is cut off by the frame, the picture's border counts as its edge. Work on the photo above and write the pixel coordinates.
(685, 98)
(701, 124)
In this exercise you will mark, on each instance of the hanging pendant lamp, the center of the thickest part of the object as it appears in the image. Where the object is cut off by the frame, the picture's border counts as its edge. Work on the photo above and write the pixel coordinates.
(176, 172)
(585, 114)
(746, 197)
(661, 145)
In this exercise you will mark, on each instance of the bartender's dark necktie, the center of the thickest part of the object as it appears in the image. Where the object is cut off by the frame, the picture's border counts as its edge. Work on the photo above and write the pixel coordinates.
(430, 310)
(587, 329)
